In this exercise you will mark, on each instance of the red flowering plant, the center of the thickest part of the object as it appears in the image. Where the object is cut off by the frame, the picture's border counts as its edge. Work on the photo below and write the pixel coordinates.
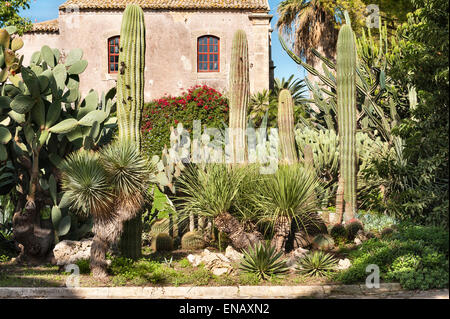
(200, 102)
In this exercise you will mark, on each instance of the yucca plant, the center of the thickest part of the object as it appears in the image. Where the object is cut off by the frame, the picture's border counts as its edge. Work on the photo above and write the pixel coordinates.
(263, 261)
(316, 264)
(109, 185)
(211, 192)
(285, 197)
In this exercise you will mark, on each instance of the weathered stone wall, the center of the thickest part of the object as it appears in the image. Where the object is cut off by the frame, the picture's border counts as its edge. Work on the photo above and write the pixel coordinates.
(171, 56)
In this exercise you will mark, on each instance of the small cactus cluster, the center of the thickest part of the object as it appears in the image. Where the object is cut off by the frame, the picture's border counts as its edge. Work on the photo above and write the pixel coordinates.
(352, 227)
(162, 242)
(192, 241)
(338, 232)
(323, 242)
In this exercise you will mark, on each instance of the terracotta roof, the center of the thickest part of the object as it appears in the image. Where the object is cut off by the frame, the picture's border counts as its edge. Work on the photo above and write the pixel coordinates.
(169, 4)
(46, 26)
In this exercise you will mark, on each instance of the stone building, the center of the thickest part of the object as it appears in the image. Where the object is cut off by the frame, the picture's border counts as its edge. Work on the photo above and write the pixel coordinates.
(188, 41)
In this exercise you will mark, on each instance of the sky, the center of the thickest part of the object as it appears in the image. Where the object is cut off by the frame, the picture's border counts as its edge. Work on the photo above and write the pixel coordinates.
(42, 10)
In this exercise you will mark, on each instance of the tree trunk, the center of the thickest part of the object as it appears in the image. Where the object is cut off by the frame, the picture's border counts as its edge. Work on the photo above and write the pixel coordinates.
(240, 239)
(99, 249)
(282, 227)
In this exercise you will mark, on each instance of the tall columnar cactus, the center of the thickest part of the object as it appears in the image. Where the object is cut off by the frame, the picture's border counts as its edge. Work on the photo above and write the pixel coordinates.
(239, 89)
(346, 110)
(130, 102)
(130, 84)
(286, 127)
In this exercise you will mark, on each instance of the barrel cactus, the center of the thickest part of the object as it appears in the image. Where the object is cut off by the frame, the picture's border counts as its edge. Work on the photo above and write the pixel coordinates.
(239, 90)
(352, 227)
(162, 242)
(286, 127)
(338, 232)
(323, 242)
(192, 241)
(346, 111)
(130, 103)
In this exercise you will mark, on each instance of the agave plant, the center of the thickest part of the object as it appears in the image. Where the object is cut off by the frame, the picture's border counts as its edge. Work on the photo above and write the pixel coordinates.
(263, 261)
(316, 264)
(109, 185)
(287, 196)
(211, 192)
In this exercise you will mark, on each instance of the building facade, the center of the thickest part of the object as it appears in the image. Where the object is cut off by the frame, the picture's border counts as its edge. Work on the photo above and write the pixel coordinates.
(188, 41)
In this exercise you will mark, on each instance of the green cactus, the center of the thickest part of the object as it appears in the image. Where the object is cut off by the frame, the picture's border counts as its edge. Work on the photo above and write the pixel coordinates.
(352, 227)
(160, 226)
(286, 127)
(42, 119)
(130, 103)
(323, 242)
(346, 111)
(338, 232)
(192, 241)
(162, 242)
(239, 89)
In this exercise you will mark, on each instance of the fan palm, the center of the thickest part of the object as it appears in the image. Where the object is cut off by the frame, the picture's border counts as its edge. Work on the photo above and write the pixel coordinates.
(211, 192)
(286, 196)
(311, 25)
(297, 87)
(111, 186)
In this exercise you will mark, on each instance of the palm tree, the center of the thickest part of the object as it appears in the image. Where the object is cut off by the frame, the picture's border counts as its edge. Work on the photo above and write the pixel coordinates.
(297, 87)
(111, 186)
(211, 192)
(312, 26)
(285, 197)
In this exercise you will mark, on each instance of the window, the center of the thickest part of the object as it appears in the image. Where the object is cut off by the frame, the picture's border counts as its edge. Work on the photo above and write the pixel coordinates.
(113, 54)
(208, 52)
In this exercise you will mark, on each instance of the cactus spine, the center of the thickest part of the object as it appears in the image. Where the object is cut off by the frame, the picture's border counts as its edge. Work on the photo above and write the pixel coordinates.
(130, 102)
(346, 95)
(286, 127)
(239, 97)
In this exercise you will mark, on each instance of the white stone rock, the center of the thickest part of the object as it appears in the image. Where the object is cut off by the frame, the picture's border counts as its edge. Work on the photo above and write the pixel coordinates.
(69, 252)
(357, 241)
(344, 264)
(233, 255)
(216, 262)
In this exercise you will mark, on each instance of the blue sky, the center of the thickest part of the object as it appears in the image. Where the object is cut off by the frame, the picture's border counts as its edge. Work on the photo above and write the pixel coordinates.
(42, 10)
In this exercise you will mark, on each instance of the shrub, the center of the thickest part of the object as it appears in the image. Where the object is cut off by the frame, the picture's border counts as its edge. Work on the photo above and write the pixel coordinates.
(415, 256)
(316, 264)
(83, 264)
(198, 103)
(263, 261)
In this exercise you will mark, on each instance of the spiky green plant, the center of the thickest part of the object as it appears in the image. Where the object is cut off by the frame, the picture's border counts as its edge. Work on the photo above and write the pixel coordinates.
(192, 240)
(286, 127)
(239, 89)
(316, 264)
(352, 227)
(211, 192)
(162, 242)
(285, 197)
(338, 232)
(263, 261)
(130, 103)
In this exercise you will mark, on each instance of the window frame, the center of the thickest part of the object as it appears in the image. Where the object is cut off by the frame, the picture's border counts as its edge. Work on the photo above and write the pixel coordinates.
(208, 53)
(113, 54)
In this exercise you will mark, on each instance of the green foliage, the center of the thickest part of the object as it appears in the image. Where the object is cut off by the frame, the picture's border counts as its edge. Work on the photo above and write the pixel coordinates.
(83, 264)
(316, 264)
(374, 221)
(9, 14)
(201, 103)
(263, 261)
(162, 242)
(192, 241)
(415, 256)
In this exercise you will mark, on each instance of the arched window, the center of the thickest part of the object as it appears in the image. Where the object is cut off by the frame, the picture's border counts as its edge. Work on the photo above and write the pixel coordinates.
(208, 54)
(113, 54)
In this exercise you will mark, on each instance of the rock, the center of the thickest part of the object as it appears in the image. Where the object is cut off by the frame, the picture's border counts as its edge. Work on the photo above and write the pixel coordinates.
(344, 264)
(357, 241)
(69, 252)
(294, 256)
(233, 255)
(217, 263)
(361, 235)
